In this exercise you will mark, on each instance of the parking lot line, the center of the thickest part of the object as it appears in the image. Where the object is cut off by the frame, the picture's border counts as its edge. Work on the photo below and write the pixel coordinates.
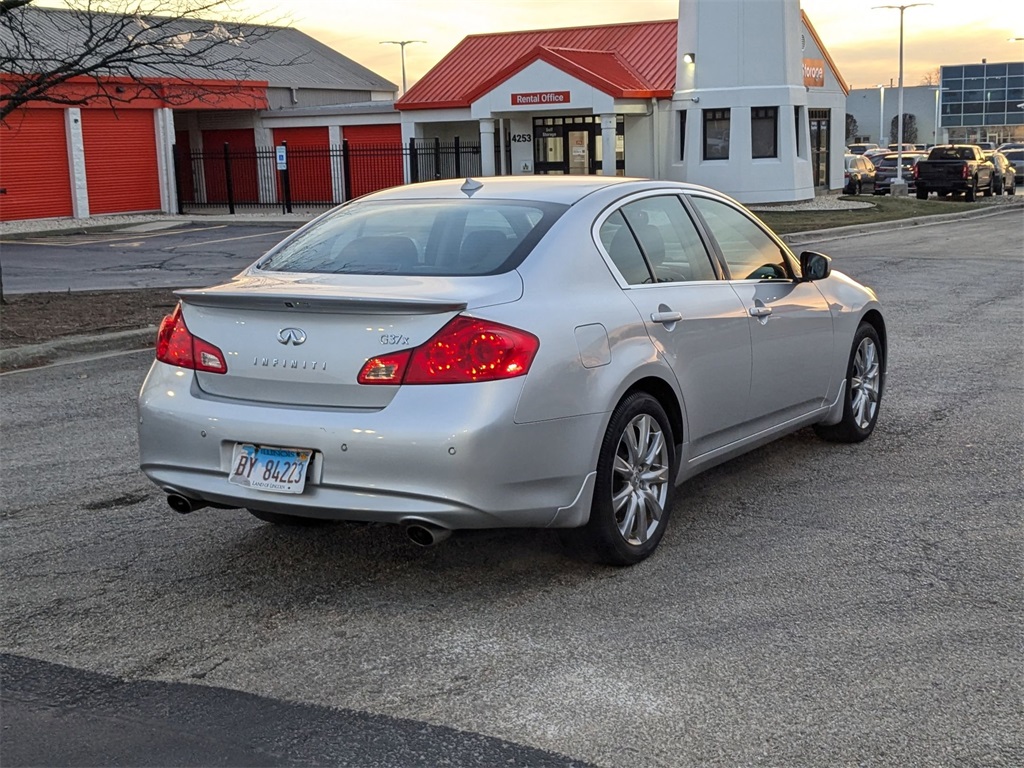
(229, 239)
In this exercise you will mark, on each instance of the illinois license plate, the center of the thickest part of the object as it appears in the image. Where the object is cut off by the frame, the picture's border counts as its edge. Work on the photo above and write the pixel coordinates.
(265, 468)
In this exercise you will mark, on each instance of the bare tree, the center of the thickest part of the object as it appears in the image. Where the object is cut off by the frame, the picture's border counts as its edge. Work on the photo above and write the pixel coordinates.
(124, 50)
(909, 129)
(851, 127)
(931, 77)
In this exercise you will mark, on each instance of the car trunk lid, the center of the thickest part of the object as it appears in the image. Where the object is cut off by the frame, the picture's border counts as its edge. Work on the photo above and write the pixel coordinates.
(302, 341)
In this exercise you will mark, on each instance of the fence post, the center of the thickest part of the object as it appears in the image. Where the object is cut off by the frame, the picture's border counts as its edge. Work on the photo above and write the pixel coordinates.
(414, 162)
(227, 179)
(177, 179)
(346, 168)
(285, 181)
(458, 159)
(437, 159)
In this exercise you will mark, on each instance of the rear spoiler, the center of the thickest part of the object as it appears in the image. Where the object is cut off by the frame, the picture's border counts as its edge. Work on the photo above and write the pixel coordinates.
(344, 305)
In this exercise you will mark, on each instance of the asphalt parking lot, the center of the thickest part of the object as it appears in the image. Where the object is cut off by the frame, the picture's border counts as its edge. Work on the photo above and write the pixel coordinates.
(155, 255)
(811, 604)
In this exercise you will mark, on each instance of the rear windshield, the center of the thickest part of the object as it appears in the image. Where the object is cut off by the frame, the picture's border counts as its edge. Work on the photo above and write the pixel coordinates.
(449, 238)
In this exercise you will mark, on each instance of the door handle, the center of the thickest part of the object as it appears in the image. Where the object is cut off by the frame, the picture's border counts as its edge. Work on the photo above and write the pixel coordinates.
(760, 311)
(666, 317)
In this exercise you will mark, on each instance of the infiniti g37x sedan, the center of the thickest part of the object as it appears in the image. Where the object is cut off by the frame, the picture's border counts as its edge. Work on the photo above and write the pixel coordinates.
(543, 352)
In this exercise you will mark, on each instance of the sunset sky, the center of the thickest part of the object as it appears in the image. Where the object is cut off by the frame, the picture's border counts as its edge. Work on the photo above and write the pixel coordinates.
(863, 42)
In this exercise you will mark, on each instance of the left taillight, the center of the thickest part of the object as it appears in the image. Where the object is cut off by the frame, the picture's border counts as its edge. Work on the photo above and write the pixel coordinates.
(175, 345)
(465, 350)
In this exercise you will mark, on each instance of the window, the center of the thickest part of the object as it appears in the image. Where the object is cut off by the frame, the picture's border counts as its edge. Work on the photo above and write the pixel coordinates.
(716, 134)
(749, 252)
(796, 121)
(618, 240)
(764, 131)
(422, 237)
(655, 235)
(682, 135)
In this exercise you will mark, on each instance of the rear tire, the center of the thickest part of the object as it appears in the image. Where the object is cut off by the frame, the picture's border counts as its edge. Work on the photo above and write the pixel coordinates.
(922, 194)
(971, 194)
(865, 380)
(277, 518)
(634, 488)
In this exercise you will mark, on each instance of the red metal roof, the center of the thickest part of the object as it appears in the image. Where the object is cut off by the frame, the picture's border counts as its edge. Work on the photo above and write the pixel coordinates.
(635, 60)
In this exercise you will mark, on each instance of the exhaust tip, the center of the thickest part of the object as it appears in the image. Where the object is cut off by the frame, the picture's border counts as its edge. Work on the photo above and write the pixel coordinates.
(426, 535)
(182, 504)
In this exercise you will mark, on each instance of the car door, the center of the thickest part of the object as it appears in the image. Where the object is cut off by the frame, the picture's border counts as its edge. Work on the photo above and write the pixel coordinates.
(790, 321)
(693, 317)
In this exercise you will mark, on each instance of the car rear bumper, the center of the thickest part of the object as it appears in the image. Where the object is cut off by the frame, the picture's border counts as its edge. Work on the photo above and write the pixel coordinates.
(451, 455)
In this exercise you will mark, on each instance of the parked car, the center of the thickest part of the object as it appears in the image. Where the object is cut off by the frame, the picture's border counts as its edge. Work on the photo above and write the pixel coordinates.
(874, 154)
(952, 168)
(860, 148)
(906, 147)
(1003, 178)
(985, 146)
(858, 174)
(1016, 159)
(1010, 145)
(556, 352)
(885, 171)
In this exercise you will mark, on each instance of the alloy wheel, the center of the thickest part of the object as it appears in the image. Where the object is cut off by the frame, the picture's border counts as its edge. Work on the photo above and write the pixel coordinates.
(864, 383)
(640, 477)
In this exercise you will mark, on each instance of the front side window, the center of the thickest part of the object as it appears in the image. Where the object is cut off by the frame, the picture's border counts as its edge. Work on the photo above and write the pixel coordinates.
(448, 238)
(716, 134)
(764, 131)
(749, 252)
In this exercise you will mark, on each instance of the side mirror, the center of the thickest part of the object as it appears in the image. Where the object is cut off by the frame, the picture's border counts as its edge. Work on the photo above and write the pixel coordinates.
(815, 266)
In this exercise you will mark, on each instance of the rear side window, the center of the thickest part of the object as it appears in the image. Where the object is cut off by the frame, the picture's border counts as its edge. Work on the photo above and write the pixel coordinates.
(655, 235)
(447, 238)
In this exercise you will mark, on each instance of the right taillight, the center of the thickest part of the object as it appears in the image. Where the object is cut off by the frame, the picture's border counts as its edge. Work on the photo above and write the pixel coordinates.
(465, 350)
(175, 345)
(915, 172)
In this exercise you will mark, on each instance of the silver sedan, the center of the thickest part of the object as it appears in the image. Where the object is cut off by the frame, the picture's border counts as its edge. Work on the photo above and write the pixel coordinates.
(508, 352)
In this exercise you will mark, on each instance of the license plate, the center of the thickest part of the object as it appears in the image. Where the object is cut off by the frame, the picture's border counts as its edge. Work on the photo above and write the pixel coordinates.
(266, 468)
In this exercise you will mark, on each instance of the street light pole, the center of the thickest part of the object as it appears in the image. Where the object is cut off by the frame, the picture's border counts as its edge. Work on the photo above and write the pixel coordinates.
(899, 113)
(402, 44)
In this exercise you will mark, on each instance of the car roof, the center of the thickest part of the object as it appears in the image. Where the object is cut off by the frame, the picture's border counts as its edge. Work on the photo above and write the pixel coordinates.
(564, 190)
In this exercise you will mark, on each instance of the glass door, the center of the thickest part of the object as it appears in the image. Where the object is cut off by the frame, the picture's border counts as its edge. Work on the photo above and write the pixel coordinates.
(578, 146)
(819, 120)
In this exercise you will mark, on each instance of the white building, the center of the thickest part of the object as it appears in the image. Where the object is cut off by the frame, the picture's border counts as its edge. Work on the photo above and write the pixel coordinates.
(740, 96)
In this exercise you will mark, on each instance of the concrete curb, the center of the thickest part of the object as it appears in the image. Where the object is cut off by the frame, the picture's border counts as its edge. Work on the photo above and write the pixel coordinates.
(72, 347)
(296, 220)
(835, 233)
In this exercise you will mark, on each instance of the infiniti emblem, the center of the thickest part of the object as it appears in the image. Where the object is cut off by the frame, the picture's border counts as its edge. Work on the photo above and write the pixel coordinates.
(294, 336)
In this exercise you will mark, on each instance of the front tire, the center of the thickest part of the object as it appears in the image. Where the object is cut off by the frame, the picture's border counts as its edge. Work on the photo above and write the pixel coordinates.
(865, 380)
(634, 488)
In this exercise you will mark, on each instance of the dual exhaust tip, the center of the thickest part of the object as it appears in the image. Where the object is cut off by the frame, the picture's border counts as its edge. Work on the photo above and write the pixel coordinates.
(422, 534)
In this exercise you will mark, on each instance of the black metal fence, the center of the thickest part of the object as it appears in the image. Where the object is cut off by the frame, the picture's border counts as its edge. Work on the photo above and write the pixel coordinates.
(319, 176)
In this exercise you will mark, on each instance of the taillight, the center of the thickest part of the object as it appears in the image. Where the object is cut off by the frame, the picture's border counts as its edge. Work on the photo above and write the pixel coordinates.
(175, 345)
(915, 173)
(965, 172)
(465, 350)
